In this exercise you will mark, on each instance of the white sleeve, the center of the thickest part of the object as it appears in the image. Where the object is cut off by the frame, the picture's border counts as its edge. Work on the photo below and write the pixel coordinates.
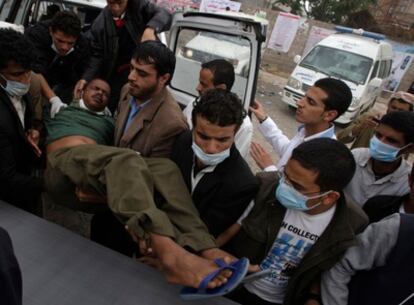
(187, 113)
(274, 136)
(270, 168)
(244, 137)
(246, 212)
(372, 249)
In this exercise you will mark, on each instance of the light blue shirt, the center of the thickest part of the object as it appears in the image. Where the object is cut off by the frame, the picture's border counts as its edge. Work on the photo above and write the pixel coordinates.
(134, 109)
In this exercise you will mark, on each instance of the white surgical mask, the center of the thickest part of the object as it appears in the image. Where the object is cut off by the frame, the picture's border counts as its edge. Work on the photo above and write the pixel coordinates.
(210, 159)
(14, 88)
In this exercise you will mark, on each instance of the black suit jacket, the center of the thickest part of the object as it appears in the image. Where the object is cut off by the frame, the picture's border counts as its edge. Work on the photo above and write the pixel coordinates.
(17, 186)
(222, 195)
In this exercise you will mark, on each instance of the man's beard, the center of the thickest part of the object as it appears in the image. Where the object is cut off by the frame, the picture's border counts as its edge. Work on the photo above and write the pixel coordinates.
(144, 94)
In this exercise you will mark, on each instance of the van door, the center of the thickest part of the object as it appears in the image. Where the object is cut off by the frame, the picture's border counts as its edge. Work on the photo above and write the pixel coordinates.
(196, 38)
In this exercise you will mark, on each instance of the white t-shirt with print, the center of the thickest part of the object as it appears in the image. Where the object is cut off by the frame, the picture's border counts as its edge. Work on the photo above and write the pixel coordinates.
(298, 233)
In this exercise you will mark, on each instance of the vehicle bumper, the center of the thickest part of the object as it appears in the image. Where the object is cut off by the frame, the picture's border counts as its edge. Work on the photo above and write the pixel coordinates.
(291, 97)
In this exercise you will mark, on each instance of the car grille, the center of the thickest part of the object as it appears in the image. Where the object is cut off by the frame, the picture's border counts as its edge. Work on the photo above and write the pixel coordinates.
(295, 96)
(305, 87)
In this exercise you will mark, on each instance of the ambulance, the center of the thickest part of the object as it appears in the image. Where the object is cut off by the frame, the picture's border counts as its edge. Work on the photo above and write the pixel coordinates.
(361, 59)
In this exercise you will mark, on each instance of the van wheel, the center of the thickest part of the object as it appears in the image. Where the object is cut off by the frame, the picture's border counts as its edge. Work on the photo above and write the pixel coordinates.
(291, 108)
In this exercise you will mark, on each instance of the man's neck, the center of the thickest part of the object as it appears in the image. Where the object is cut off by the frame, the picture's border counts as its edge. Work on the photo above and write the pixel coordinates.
(385, 168)
(312, 129)
(198, 166)
(141, 101)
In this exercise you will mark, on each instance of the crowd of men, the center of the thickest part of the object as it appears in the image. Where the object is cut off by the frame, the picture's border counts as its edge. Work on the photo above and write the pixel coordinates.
(92, 113)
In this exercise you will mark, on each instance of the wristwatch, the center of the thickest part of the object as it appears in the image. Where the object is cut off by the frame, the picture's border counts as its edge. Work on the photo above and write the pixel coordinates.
(265, 118)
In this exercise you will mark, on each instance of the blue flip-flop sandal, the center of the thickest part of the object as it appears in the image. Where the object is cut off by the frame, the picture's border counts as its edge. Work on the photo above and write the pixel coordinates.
(239, 271)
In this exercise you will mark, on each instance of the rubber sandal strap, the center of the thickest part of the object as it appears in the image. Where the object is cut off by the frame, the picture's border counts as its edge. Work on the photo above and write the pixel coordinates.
(209, 277)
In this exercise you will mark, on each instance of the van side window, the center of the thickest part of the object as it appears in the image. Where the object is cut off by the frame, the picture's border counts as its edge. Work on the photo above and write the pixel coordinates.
(389, 66)
(375, 70)
(5, 6)
(383, 69)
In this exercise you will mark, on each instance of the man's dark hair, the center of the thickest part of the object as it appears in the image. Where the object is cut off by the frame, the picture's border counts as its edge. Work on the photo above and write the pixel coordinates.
(331, 159)
(223, 72)
(14, 47)
(401, 121)
(66, 22)
(410, 106)
(219, 107)
(339, 95)
(156, 53)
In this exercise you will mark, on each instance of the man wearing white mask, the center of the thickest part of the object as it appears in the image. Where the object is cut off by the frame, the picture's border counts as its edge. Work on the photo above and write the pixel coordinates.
(381, 170)
(18, 141)
(219, 179)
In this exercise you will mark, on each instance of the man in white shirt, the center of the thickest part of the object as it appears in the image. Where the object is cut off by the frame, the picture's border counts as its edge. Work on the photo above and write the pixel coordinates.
(18, 140)
(323, 103)
(219, 73)
(381, 170)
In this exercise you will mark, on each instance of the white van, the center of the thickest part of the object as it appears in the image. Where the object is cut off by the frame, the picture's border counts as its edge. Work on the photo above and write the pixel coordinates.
(361, 59)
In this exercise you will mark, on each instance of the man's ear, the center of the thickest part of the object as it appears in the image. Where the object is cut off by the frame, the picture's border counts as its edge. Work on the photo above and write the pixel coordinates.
(221, 86)
(331, 198)
(164, 78)
(330, 115)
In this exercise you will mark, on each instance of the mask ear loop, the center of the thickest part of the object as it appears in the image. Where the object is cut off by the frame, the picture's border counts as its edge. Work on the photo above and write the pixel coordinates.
(399, 154)
(3, 83)
(316, 196)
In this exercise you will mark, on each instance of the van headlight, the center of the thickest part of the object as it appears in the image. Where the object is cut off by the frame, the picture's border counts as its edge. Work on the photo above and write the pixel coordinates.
(294, 83)
(187, 52)
(355, 102)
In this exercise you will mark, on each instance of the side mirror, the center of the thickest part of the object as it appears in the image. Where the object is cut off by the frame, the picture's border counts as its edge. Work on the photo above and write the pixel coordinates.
(375, 82)
(297, 59)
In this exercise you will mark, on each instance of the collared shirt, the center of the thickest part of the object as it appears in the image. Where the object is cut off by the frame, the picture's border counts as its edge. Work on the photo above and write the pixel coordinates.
(20, 106)
(133, 111)
(105, 112)
(364, 186)
(57, 52)
(195, 179)
(281, 143)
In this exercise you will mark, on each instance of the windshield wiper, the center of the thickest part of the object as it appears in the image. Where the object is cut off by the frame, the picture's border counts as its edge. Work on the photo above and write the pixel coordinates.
(344, 77)
(314, 68)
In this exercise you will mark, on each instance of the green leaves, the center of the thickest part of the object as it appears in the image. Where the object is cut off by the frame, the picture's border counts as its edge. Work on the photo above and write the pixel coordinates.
(335, 11)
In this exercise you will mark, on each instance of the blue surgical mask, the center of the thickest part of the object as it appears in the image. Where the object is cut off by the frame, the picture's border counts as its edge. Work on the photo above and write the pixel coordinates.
(383, 152)
(210, 159)
(14, 88)
(292, 199)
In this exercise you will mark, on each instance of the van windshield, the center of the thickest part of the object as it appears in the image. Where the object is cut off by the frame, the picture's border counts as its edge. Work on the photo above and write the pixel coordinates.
(338, 63)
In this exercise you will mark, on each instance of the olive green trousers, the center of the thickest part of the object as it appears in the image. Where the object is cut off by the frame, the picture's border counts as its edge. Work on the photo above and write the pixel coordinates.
(147, 194)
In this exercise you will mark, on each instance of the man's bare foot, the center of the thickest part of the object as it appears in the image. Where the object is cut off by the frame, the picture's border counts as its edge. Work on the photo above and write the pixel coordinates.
(183, 267)
(215, 253)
